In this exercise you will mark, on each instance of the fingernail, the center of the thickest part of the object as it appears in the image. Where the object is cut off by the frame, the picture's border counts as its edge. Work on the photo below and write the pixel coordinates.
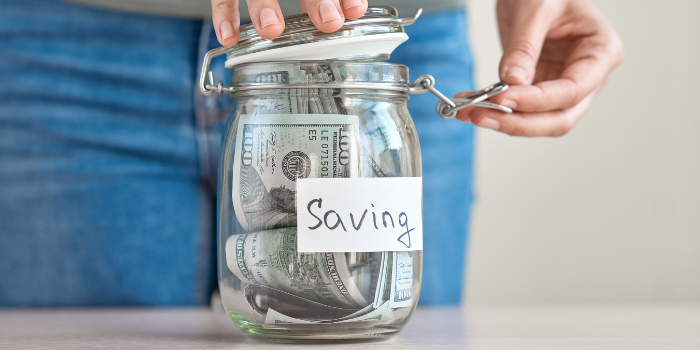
(348, 4)
(226, 30)
(489, 123)
(328, 11)
(509, 103)
(268, 17)
(516, 73)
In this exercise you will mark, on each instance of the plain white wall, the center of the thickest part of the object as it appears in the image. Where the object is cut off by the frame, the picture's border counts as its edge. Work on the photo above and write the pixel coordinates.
(609, 213)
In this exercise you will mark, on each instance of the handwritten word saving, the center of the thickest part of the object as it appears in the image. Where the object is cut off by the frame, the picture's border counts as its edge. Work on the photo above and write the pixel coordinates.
(333, 220)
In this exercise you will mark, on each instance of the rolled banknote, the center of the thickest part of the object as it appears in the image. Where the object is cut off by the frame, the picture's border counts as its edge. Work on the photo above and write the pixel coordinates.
(381, 292)
(393, 291)
(395, 283)
(270, 258)
(401, 280)
(294, 101)
(382, 313)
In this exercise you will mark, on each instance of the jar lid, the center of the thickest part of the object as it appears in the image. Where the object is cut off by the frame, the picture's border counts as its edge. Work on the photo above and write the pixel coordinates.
(374, 36)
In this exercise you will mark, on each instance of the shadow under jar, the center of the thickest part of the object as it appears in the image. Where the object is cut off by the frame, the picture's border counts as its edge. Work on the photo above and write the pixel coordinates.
(334, 128)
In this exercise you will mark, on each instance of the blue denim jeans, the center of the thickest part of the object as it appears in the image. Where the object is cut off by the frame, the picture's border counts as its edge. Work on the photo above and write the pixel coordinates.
(108, 156)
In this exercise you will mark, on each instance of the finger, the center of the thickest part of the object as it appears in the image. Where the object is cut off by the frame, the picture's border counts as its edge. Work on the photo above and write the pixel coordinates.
(464, 114)
(227, 21)
(327, 15)
(522, 44)
(353, 9)
(267, 18)
(586, 71)
(547, 95)
(552, 123)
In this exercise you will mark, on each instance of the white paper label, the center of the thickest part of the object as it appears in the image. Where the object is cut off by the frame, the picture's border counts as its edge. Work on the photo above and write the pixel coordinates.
(360, 214)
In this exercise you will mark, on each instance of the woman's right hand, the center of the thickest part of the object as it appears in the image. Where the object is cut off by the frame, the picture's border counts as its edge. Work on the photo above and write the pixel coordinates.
(327, 15)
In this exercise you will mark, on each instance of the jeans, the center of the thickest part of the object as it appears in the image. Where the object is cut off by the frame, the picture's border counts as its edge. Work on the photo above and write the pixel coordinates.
(108, 156)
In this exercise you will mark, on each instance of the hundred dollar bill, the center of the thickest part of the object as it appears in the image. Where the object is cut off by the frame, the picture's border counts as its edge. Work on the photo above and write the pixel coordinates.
(273, 151)
(270, 258)
(401, 280)
(395, 283)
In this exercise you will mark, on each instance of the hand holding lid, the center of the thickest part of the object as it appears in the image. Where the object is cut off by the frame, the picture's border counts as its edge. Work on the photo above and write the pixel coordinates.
(269, 22)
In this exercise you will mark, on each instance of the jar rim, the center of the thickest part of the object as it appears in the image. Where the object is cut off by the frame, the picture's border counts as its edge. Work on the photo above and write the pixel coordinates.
(329, 74)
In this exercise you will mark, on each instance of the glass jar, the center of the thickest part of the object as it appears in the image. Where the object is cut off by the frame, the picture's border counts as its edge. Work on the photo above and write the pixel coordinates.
(320, 192)
(322, 296)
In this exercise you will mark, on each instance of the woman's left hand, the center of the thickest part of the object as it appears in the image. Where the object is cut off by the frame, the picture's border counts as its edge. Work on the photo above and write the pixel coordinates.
(557, 56)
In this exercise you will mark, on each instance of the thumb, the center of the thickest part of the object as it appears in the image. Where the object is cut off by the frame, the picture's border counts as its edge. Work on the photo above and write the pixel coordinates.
(522, 45)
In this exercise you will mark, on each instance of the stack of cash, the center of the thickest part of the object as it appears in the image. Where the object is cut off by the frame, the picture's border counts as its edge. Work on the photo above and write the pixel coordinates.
(279, 140)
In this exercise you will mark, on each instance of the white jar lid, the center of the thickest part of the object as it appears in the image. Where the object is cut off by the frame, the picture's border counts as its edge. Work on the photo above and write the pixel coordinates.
(374, 45)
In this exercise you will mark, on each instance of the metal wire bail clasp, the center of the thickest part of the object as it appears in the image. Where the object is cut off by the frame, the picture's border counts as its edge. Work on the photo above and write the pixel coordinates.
(206, 74)
(447, 108)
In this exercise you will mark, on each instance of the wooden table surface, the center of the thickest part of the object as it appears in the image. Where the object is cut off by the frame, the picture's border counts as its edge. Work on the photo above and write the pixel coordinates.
(536, 327)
